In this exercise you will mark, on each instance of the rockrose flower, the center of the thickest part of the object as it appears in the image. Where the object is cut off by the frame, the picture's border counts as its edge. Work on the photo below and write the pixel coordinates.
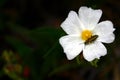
(84, 33)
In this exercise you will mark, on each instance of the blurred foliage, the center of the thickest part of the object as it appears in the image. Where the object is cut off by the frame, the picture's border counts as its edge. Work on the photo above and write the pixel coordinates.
(30, 48)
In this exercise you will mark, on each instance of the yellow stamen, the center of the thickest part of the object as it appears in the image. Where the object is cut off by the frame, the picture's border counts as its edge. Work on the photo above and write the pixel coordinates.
(86, 34)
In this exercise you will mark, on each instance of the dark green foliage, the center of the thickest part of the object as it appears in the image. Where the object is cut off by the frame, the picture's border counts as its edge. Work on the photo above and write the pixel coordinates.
(38, 47)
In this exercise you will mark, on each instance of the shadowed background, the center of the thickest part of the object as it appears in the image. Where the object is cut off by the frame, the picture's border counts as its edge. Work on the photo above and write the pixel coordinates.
(29, 34)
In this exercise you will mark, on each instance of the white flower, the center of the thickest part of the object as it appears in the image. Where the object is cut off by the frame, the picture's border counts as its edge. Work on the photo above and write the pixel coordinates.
(84, 33)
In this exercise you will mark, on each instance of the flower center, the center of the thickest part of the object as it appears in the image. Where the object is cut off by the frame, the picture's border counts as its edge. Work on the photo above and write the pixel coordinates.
(86, 34)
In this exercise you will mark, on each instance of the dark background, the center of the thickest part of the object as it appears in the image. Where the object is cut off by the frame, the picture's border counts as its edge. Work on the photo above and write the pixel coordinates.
(33, 13)
(20, 32)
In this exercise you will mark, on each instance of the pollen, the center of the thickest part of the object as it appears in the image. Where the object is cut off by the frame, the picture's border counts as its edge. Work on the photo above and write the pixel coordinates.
(86, 34)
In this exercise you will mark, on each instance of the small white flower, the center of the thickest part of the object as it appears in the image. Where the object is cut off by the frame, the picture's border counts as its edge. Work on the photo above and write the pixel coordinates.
(84, 33)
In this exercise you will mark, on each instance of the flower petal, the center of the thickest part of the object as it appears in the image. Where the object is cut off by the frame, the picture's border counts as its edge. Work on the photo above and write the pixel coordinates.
(72, 46)
(95, 50)
(72, 24)
(105, 32)
(89, 17)
(107, 39)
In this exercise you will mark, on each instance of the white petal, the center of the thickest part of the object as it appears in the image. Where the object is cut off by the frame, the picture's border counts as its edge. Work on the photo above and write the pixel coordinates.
(105, 32)
(72, 46)
(72, 24)
(107, 38)
(89, 17)
(93, 51)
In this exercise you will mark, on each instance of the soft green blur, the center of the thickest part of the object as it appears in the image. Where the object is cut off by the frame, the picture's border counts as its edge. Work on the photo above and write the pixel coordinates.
(29, 41)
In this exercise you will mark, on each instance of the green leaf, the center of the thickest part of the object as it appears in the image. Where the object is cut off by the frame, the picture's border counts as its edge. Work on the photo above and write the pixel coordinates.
(94, 62)
(78, 59)
(18, 45)
(45, 34)
(45, 38)
(16, 29)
